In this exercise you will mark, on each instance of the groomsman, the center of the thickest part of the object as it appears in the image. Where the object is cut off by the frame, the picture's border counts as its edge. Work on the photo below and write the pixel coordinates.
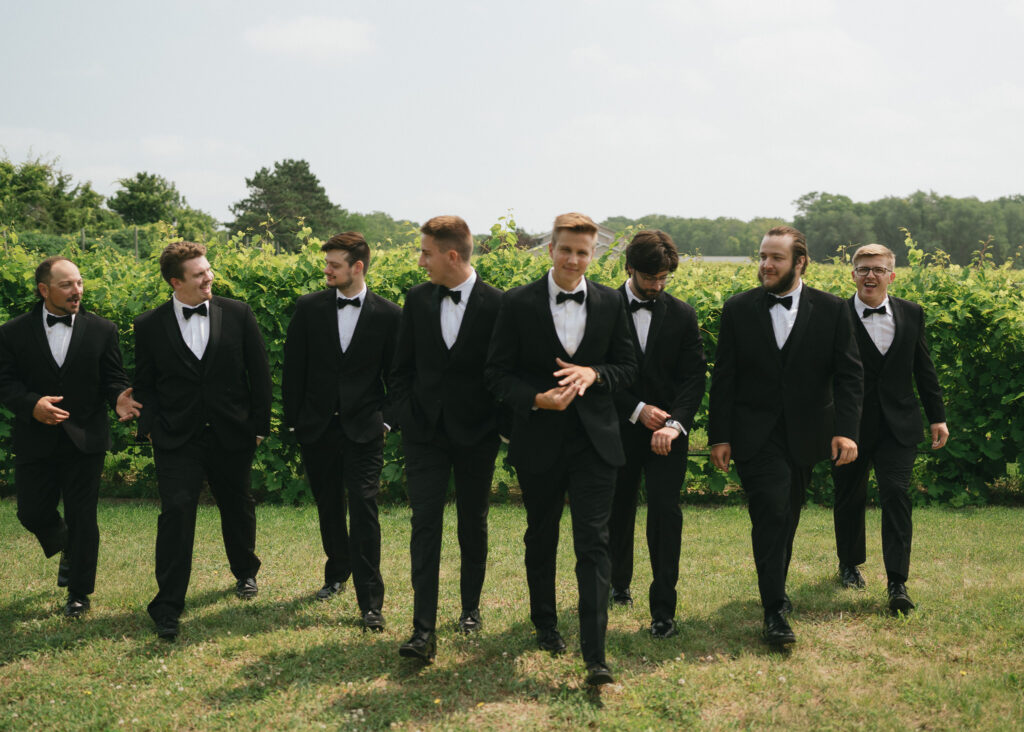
(448, 421)
(561, 348)
(786, 393)
(891, 335)
(337, 355)
(655, 416)
(60, 368)
(202, 374)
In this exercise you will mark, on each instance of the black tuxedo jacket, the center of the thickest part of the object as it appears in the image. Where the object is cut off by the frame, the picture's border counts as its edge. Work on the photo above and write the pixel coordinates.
(888, 387)
(90, 380)
(430, 382)
(522, 359)
(672, 370)
(815, 383)
(320, 379)
(228, 390)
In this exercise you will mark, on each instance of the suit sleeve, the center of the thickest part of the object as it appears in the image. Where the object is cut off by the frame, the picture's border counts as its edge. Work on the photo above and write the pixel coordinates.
(691, 371)
(620, 370)
(394, 321)
(723, 382)
(258, 370)
(293, 370)
(503, 361)
(403, 368)
(13, 393)
(113, 379)
(145, 380)
(848, 378)
(925, 377)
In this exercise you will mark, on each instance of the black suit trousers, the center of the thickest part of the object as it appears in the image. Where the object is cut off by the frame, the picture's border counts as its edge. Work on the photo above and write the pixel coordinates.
(428, 468)
(894, 466)
(340, 469)
(776, 487)
(180, 473)
(40, 484)
(663, 480)
(590, 484)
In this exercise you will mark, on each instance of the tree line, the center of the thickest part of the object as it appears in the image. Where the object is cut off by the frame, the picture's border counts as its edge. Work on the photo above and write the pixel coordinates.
(45, 205)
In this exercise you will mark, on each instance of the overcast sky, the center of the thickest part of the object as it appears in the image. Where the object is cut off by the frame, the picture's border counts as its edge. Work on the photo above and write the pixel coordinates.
(689, 108)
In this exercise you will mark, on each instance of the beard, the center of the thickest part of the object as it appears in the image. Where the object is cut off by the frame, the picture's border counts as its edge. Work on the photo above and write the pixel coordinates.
(784, 284)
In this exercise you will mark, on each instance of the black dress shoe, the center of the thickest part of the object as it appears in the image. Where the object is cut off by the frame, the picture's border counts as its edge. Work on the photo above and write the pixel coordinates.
(246, 588)
(598, 675)
(622, 598)
(776, 630)
(550, 641)
(329, 589)
(166, 628)
(663, 628)
(76, 606)
(63, 571)
(899, 600)
(850, 577)
(373, 620)
(471, 622)
(422, 645)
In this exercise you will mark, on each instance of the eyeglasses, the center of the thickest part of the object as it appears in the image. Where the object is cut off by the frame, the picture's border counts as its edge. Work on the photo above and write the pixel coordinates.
(877, 271)
(652, 279)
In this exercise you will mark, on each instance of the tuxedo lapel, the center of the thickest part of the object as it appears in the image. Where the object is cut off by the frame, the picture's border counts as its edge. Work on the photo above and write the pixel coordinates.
(216, 326)
(542, 311)
(471, 314)
(434, 308)
(804, 313)
(329, 320)
(78, 334)
(657, 320)
(632, 325)
(902, 339)
(39, 336)
(362, 325)
(765, 327)
(173, 334)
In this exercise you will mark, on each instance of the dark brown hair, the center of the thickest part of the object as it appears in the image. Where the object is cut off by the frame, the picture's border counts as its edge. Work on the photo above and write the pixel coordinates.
(652, 251)
(43, 270)
(450, 232)
(353, 244)
(174, 256)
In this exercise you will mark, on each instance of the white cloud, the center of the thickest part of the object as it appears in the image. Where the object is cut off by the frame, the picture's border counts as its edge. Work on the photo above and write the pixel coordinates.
(320, 38)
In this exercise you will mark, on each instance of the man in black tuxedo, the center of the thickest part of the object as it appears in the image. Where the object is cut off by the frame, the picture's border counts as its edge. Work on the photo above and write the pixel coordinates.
(60, 367)
(785, 394)
(337, 355)
(202, 374)
(655, 416)
(561, 347)
(448, 421)
(894, 350)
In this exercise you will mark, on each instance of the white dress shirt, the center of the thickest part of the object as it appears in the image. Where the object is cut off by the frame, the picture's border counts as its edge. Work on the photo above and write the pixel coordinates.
(348, 316)
(782, 319)
(570, 317)
(58, 336)
(642, 321)
(196, 330)
(881, 327)
(452, 314)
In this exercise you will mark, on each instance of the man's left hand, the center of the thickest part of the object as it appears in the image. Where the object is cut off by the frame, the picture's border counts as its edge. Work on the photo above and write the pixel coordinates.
(844, 450)
(940, 433)
(127, 408)
(579, 376)
(661, 440)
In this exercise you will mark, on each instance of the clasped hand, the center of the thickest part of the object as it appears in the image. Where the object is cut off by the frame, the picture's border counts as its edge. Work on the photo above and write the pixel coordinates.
(573, 381)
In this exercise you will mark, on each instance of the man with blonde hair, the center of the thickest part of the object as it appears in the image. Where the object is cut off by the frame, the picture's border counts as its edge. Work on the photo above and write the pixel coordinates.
(890, 333)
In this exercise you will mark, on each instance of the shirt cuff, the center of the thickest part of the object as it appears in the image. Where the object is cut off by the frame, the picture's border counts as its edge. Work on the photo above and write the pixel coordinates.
(636, 412)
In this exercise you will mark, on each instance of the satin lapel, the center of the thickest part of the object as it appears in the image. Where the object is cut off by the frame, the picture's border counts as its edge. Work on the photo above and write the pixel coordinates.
(542, 311)
(174, 334)
(472, 311)
(864, 339)
(593, 319)
(327, 316)
(362, 324)
(657, 320)
(216, 330)
(632, 325)
(765, 324)
(78, 335)
(803, 318)
(901, 339)
(435, 318)
(39, 335)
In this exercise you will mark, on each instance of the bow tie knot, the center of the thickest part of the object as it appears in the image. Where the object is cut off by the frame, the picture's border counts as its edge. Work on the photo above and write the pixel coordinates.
(578, 297)
(197, 310)
(873, 311)
(343, 301)
(455, 295)
(635, 305)
(786, 302)
(52, 320)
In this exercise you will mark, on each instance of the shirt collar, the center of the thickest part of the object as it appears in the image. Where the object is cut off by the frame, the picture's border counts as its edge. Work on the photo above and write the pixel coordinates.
(466, 286)
(554, 289)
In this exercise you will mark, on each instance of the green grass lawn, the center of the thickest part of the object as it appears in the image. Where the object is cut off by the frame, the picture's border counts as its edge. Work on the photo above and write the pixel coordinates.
(285, 661)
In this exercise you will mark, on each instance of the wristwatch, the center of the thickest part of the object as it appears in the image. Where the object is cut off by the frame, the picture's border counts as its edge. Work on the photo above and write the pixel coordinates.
(674, 424)
(598, 379)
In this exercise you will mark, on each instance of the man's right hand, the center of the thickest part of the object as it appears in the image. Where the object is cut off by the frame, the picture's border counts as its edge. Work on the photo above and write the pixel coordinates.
(721, 454)
(653, 418)
(47, 412)
(557, 399)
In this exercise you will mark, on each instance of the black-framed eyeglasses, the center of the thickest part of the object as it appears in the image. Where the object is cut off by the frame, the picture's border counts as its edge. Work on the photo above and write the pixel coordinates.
(877, 271)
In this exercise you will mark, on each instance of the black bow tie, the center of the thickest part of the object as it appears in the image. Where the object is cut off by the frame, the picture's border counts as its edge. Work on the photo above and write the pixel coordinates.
(579, 296)
(873, 311)
(52, 320)
(786, 302)
(455, 295)
(197, 310)
(635, 305)
(343, 301)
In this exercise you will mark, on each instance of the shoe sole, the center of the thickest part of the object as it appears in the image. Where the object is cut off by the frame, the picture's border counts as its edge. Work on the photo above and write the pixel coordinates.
(406, 652)
(901, 606)
(600, 679)
(780, 642)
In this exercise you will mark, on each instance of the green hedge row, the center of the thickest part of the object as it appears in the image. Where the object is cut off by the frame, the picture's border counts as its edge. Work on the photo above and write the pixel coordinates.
(975, 316)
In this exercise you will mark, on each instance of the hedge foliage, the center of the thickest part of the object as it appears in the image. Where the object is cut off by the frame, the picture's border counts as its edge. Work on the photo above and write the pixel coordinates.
(975, 316)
